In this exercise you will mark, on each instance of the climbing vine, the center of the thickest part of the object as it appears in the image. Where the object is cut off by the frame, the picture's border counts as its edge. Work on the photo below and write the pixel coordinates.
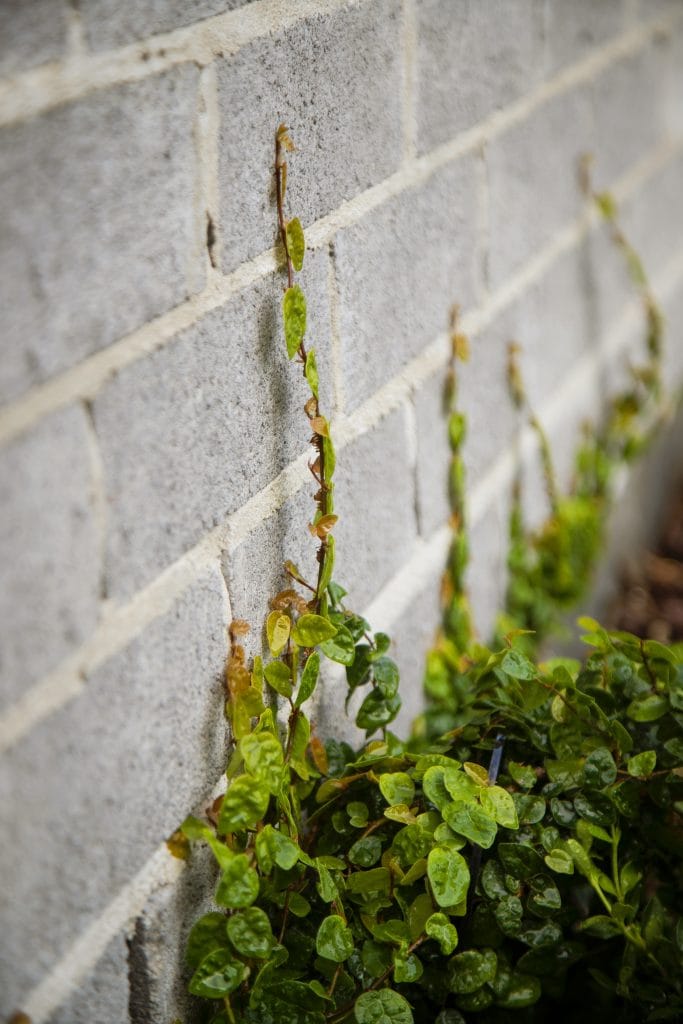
(525, 837)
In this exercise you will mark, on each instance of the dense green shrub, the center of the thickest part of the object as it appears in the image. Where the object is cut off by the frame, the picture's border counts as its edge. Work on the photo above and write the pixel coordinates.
(519, 858)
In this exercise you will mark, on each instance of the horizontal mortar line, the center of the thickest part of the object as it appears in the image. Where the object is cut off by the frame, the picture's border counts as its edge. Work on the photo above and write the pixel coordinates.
(123, 624)
(161, 869)
(88, 376)
(382, 612)
(65, 976)
(40, 89)
(401, 590)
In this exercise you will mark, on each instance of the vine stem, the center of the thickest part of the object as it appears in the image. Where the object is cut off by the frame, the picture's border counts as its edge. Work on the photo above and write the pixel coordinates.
(317, 441)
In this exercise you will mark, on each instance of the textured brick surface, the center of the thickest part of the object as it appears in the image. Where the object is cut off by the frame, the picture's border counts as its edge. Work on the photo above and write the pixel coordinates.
(374, 492)
(102, 996)
(472, 58)
(255, 569)
(574, 30)
(433, 454)
(335, 81)
(157, 967)
(413, 634)
(30, 33)
(629, 101)
(653, 219)
(211, 418)
(399, 271)
(94, 790)
(97, 225)
(49, 550)
(110, 23)
(533, 181)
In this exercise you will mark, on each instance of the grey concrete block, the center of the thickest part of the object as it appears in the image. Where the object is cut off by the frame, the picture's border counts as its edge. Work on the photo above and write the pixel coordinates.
(255, 571)
(573, 31)
(197, 428)
(108, 23)
(653, 218)
(532, 173)
(49, 550)
(97, 229)
(413, 635)
(95, 789)
(487, 570)
(630, 109)
(102, 996)
(30, 34)
(375, 501)
(472, 59)
(433, 454)
(492, 422)
(335, 80)
(158, 971)
(399, 271)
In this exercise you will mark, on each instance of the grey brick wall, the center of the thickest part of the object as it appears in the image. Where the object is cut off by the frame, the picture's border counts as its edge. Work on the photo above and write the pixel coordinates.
(152, 445)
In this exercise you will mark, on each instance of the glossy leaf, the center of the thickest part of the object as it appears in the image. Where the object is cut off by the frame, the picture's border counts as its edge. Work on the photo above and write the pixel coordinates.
(208, 934)
(471, 970)
(278, 627)
(250, 933)
(498, 803)
(278, 676)
(471, 821)
(263, 758)
(309, 679)
(340, 648)
(294, 313)
(295, 242)
(382, 1007)
(440, 928)
(334, 940)
(244, 804)
(311, 630)
(219, 974)
(449, 876)
(239, 884)
(642, 765)
(397, 787)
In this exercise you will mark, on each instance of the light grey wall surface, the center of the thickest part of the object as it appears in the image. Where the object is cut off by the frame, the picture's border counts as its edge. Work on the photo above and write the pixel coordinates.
(152, 446)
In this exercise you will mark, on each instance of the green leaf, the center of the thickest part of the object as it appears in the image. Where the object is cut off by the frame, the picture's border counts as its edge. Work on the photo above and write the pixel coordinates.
(300, 738)
(376, 711)
(523, 775)
(309, 679)
(602, 926)
(600, 769)
(449, 876)
(508, 912)
(407, 969)
(279, 677)
(239, 884)
(440, 928)
(311, 372)
(250, 933)
(648, 709)
(217, 976)
(386, 675)
(382, 1007)
(518, 666)
(365, 852)
(295, 242)
(560, 861)
(397, 788)
(544, 896)
(498, 803)
(244, 804)
(278, 626)
(472, 969)
(375, 880)
(207, 934)
(519, 859)
(263, 758)
(642, 765)
(434, 788)
(294, 313)
(470, 821)
(523, 990)
(334, 940)
(273, 847)
(341, 648)
(311, 630)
